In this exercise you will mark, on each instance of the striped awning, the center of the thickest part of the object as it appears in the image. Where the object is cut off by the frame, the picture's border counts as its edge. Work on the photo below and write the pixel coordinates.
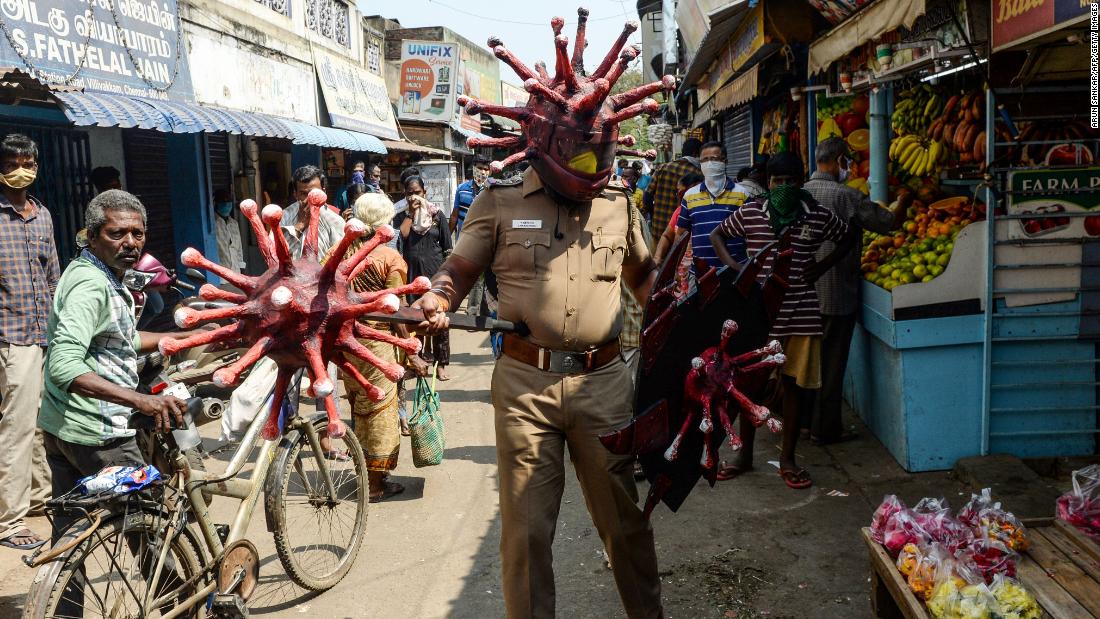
(113, 110)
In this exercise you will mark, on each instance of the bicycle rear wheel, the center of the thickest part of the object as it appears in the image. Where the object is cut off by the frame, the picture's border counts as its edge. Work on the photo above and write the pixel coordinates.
(111, 573)
(316, 538)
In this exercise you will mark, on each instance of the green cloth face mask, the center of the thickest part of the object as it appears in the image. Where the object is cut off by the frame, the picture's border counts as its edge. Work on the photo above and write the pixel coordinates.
(784, 203)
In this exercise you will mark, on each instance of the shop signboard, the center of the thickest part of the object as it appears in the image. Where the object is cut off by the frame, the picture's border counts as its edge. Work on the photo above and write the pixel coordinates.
(1017, 21)
(428, 79)
(258, 83)
(836, 11)
(745, 42)
(356, 98)
(440, 183)
(511, 96)
(124, 47)
(1046, 194)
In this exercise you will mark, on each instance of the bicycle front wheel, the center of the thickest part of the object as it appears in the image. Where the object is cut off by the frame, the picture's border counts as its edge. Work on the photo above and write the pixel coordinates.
(113, 572)
(317, 535)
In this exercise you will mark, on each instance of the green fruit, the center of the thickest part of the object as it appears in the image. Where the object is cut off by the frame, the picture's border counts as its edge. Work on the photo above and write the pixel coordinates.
(885, 269)
(920, 270)
(935, 270)
(917, 259)
(907, 278)
(927, 278)
(943, 260)
(902, 252)
(890, 284)
(949, 247)
(895, 274)
(930, 257)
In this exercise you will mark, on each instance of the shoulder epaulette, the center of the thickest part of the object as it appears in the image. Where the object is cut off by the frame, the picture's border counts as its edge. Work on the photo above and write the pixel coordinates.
(513, 181)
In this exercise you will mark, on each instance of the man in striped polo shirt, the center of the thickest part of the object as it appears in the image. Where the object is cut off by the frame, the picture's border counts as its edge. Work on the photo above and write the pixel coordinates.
(788, 210)
(709, 203)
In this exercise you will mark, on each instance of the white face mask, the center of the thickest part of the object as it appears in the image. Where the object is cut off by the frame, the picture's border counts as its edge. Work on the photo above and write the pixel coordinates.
(715, 173)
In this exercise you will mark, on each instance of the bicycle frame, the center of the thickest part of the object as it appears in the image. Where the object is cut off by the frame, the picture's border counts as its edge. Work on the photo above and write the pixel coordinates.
(246, 491)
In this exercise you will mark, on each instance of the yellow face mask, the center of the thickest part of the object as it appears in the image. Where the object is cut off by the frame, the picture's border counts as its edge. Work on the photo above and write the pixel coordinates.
(18, 178)
(585, 162)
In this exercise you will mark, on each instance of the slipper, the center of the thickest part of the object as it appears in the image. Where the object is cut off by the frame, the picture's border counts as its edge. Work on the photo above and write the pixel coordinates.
(389, 489)
(7, 543)
(730, 471)
(337, 455)
(843, 438)
(796, 480)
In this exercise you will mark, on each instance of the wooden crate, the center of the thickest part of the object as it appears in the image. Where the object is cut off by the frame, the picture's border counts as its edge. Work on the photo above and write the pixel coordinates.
(1061, 569)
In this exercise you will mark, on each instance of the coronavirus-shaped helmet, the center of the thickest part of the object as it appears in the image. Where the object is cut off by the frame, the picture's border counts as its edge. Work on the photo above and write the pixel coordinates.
(570, 125)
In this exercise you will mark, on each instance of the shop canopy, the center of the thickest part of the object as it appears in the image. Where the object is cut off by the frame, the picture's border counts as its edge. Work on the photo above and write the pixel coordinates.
(126, 112)
(723, 23)
(871, 23)
(409, 147)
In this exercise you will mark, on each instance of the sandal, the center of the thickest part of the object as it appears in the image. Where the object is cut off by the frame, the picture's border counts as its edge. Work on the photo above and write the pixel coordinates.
(730, 471)
(796, 480)
(337, 455)
(23, 533)
(389, 489)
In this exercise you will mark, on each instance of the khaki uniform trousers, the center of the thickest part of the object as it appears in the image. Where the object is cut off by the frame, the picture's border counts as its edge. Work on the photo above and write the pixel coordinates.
(537, 414)
(24, 473)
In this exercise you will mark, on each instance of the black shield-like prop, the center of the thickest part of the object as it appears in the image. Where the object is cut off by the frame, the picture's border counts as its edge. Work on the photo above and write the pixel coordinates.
(673, 332)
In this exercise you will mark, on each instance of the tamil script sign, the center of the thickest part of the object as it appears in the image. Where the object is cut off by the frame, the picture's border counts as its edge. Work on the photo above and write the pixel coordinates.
(356, 98)
(429, 70)
(1017, 21)
(118, 46)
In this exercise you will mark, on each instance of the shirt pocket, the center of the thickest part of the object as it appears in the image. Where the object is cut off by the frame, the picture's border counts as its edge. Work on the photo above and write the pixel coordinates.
(608, 252)
(527, 253)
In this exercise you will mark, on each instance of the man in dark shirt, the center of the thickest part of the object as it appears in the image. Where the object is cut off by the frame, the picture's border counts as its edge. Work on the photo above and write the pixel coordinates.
(28, 263)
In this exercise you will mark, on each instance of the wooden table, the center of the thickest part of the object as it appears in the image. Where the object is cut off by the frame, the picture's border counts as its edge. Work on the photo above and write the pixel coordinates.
(1061, 569)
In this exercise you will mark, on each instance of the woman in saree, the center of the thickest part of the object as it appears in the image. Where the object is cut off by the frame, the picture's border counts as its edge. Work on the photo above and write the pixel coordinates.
(376, 424)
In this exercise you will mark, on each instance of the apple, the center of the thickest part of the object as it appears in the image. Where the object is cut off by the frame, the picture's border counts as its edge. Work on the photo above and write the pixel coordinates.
(861, 105)
(1092, 225)
(849, 122)
(1069, 154)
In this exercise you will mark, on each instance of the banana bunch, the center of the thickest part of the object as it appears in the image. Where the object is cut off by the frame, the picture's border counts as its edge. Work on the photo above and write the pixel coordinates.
(916, 110)
(918, 156)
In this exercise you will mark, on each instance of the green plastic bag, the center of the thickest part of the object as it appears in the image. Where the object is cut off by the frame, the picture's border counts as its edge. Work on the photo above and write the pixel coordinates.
(426, 425)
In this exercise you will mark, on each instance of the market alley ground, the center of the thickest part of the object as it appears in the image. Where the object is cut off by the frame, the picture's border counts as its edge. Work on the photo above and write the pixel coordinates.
(747, 548)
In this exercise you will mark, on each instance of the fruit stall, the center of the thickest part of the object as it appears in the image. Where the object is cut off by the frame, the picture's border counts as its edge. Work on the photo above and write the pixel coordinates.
(974, 337)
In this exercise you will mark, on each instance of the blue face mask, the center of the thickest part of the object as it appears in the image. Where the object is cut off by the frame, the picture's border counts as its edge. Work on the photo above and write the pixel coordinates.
(225, 209)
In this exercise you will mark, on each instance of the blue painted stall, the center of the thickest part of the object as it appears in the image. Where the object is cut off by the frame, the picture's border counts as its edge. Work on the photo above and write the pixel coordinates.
(917, 384)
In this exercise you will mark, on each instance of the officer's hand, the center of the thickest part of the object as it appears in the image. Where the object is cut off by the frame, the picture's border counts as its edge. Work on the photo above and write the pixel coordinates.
(435, 313)
(419, 367)
(162, 409)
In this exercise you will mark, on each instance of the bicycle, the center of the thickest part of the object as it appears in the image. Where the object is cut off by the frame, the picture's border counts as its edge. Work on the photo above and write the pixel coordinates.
(157, 552)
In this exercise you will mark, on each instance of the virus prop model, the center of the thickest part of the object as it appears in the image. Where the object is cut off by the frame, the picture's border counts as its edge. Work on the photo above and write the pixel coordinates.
(299, 313)
(711, 390)
(570, 123)
(704, 362)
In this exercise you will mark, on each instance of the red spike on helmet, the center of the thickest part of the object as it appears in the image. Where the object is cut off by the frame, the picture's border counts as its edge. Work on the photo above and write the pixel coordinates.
(570, 124)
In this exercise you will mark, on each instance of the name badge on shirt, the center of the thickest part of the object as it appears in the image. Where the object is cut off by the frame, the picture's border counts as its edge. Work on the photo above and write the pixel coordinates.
(526, 224)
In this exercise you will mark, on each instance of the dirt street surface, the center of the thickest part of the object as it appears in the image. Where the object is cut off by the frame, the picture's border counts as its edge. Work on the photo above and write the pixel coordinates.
(746, 548)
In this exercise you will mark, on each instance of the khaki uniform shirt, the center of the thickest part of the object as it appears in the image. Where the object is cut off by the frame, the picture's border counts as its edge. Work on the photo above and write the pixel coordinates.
(566, 290)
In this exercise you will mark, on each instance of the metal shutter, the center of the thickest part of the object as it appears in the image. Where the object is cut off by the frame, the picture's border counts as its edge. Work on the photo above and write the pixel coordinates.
(737, 136)
(148, 177)
(64, 164)
(217, 151)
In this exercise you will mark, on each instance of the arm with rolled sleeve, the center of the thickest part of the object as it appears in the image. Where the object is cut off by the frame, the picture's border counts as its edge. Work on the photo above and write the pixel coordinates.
(868, 213)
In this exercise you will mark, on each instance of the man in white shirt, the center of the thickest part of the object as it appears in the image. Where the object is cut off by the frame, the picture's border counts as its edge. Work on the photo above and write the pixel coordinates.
(295, 220)
(230, 249)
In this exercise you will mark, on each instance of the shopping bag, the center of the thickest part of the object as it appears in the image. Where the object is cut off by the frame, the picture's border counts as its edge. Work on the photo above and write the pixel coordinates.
(426, 424)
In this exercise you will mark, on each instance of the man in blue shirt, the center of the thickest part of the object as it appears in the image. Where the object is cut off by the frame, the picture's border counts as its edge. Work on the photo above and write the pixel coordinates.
(466, 193)
(709, 203)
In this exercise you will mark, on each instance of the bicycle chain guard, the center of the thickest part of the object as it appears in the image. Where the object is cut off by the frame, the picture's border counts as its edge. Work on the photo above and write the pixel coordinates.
(239, 569)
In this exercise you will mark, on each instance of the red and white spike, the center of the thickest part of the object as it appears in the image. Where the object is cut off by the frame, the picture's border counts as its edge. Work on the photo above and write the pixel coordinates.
(267, 249)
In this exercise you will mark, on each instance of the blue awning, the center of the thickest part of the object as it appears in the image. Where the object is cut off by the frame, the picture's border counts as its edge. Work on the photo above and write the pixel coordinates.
(330, 137)
(86, 109)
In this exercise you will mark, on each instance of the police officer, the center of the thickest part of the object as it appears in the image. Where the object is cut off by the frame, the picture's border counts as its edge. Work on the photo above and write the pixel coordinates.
(558, 262)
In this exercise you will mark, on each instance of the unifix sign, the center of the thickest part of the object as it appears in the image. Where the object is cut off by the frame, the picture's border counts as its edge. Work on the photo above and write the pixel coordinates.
(1015, 21)
(428, 50)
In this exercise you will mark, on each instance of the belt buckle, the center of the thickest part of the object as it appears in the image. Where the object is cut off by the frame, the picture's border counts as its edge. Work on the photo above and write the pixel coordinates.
(566, 362)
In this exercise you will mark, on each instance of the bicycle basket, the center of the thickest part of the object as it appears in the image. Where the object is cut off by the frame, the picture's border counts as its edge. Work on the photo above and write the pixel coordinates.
(426, 425)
